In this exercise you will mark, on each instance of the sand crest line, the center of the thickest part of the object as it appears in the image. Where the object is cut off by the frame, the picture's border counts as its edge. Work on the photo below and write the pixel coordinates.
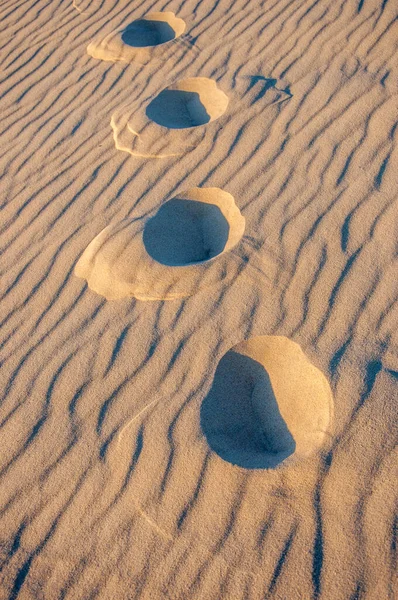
(152, 523)
(131, 421)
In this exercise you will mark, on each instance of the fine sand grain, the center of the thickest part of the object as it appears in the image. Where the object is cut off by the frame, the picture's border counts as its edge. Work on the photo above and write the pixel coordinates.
(237, 442)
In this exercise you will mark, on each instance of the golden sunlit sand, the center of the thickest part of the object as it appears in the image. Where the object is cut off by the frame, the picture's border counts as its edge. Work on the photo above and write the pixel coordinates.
(163, 256)
(198, 303)
(267, 403)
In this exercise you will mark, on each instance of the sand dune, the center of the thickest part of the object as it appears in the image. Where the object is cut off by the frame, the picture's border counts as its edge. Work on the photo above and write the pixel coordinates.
(111, 486)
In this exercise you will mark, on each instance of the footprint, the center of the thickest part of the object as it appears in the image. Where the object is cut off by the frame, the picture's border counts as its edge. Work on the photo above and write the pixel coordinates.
(141, 41)
(178, 249)
(267, 403)
(188, 103)
(185, 232)
(153, 29)
(172, 121)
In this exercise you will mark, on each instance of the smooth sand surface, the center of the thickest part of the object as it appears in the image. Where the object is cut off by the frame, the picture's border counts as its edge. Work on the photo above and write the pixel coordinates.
(120, 443)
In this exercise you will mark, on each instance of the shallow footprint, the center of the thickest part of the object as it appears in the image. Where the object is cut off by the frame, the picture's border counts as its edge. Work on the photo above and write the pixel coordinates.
(141, 41)
(180, 248)
(267, 403)
(186, 105)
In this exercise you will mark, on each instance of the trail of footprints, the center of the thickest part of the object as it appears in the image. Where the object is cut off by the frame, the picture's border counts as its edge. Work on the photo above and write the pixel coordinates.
(268, 404)
(123, 421)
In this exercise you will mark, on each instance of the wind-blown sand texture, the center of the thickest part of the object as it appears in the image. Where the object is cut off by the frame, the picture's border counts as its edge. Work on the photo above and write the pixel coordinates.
(109, 487)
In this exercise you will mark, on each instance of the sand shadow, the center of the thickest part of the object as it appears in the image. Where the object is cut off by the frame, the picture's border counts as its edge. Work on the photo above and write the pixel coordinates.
(177, 109)
(185, 232)
(267, 84)
(240, 416)
(143, 33)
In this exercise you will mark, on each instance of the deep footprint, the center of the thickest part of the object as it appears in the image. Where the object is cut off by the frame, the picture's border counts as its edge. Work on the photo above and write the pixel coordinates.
(153, 29)
(186, 232)
(267, 403)
(188, 103)
(167, 255)
(140, 41)
(174, 122)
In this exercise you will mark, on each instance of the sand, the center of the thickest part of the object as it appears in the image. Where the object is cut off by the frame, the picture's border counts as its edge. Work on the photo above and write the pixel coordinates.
(214, 415)
(171, 122)
(133, 258)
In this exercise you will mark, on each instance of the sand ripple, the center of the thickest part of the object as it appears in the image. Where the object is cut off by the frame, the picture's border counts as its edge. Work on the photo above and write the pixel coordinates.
(108, 486)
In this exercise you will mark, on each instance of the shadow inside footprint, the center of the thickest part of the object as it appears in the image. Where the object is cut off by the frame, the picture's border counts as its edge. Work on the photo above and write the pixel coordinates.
(263, 84)
(240, 416)
(143, 33)
(185, 232)
(177, 109)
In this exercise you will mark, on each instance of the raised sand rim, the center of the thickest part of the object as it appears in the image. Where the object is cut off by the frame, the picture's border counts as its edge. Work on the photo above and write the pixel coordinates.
(188, 103)
(153, 29)
(267, 402)
(165, 256)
